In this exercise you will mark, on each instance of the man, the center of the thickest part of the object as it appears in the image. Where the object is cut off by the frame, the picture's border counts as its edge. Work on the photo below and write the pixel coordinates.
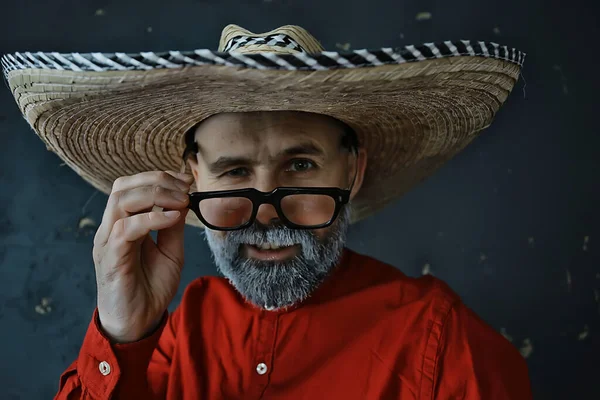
(297, 315)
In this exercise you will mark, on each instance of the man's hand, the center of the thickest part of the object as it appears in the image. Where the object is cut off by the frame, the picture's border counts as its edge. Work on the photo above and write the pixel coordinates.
(137, 278)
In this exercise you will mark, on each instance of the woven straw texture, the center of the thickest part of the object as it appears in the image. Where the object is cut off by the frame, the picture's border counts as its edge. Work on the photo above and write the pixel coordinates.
(411, 117)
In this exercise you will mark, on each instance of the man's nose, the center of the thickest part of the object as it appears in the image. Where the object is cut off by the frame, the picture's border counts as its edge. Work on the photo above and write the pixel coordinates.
(267, 215)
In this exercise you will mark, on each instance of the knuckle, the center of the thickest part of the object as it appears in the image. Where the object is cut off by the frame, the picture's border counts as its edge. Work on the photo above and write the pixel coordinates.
(118, 183)
(148, 217)
(158, 190)
(116, 197)
(97, 240)
(119, 228)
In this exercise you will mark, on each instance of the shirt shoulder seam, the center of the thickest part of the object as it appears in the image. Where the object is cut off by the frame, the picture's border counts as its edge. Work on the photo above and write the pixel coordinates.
(443, 306)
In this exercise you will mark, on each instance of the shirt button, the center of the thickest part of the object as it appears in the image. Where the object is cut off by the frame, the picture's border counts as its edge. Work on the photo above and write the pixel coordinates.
(261, 368)
(104, 368)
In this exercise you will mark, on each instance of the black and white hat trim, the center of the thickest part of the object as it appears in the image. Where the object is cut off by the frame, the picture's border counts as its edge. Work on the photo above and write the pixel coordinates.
(279, 40)
(293, 61)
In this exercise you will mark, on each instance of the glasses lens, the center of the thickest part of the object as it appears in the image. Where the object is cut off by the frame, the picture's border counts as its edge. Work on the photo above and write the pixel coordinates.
(308, 209)
(226, 212)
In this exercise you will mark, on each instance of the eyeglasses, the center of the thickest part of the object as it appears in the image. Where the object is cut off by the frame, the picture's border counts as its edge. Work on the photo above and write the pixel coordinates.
(297, 208)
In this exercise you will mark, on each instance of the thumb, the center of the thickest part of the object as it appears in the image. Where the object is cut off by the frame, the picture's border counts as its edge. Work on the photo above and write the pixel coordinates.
(170, 240)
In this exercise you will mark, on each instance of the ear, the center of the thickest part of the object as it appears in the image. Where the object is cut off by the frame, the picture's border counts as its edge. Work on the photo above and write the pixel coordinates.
(361, 166)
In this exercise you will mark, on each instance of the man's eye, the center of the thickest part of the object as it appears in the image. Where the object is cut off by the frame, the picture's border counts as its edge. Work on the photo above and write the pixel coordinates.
(237, 172)
(301, 165)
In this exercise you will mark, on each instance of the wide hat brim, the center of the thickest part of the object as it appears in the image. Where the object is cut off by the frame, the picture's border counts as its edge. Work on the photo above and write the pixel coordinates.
(413, 108)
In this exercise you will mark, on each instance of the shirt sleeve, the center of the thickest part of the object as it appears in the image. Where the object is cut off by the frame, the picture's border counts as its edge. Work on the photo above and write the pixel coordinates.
(476, 362)
(104, 370)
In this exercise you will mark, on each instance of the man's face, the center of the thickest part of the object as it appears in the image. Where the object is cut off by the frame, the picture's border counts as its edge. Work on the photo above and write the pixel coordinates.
(268, 263)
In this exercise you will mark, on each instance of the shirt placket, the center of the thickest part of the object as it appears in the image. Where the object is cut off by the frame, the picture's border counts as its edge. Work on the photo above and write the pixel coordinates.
(263, 359)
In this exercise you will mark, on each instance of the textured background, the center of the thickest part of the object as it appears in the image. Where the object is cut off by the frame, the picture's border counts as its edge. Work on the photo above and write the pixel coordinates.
(504, 223)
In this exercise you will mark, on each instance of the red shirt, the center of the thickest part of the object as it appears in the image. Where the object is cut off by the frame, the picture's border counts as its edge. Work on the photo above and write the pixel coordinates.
(368, 332)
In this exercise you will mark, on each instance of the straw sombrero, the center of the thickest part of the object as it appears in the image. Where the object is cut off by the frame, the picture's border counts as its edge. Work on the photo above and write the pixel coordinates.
(413, 107)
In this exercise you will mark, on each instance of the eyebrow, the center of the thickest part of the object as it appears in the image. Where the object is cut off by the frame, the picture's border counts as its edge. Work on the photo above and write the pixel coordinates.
(304, 148)
(224, 162)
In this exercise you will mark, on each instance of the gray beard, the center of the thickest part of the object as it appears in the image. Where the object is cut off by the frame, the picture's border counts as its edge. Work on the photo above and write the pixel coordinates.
(275, 284)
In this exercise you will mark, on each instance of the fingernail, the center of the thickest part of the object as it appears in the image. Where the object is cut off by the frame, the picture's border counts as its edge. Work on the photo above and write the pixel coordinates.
(186, 177)
(179, 195)
(183, 185)
(171, 214)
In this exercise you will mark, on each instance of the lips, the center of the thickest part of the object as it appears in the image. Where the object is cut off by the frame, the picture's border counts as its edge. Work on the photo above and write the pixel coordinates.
(271, 252)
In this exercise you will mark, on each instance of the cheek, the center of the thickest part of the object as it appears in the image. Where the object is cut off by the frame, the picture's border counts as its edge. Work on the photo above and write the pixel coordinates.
(322, 233)
(219, 235)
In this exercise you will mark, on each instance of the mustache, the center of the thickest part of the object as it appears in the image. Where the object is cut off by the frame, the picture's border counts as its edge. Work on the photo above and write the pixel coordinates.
(278, 235)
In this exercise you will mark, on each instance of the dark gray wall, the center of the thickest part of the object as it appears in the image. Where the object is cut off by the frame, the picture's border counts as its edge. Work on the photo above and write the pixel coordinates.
(534, 174)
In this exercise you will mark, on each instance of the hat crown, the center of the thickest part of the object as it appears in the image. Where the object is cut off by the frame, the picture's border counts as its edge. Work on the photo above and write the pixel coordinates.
(283, 40)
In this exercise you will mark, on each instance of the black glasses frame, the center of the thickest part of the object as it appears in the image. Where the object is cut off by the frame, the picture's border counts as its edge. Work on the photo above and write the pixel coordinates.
(274, 197)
